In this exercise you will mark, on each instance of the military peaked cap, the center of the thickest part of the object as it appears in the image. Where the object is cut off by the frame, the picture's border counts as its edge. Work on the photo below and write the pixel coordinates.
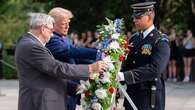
(140, 8)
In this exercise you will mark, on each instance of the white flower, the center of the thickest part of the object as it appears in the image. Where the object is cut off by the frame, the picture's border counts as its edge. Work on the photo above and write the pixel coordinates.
(101, 93)
(83, 86)
(108, 60)
(111, 66)
(105, 77)
(115, 35)
(104, 55)
(97, 106)
(94, 76)
(86, 83)
(114, 45)
(81, 89)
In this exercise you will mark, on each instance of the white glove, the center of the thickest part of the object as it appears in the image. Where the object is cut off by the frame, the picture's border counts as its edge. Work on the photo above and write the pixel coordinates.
(120, 76)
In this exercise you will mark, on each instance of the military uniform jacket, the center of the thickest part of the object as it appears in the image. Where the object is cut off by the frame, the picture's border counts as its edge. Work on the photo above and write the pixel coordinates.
(146, 61)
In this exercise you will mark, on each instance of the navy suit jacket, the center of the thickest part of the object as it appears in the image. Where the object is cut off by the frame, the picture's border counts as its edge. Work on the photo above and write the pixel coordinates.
(63, 50)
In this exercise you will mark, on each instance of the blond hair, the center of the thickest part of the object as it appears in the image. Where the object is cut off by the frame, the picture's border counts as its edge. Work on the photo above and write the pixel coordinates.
(58, 11)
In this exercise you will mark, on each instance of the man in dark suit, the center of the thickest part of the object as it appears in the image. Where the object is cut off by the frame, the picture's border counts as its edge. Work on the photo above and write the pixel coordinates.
(147, 60)
(41, 77)
(63, 50)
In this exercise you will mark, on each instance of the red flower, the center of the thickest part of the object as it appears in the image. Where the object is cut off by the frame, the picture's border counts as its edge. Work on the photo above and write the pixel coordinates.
(126, 45)
(127, 39)
(111, 90)
(114, 108)
(87, 93)
(121, 58)
(127, 52)
(126, 42)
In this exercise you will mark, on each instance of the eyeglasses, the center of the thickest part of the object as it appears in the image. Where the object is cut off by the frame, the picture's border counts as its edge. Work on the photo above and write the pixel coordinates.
(50, 29)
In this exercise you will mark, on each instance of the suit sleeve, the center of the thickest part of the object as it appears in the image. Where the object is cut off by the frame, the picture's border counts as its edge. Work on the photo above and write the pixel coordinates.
(153, 70)
(43, 61)
(61, 50)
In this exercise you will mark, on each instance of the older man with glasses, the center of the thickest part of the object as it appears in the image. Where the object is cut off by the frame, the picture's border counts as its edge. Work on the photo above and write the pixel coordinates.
(146, 62)
(41, 77)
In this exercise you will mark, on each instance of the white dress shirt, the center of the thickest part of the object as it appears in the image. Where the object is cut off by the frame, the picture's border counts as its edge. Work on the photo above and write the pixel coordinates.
(147, 31)
(37, 38)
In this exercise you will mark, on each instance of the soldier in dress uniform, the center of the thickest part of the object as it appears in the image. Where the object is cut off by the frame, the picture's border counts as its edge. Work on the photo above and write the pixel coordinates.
(147, 60)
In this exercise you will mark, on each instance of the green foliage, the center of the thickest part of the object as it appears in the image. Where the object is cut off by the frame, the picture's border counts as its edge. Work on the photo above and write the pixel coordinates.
(9, 73)
(14, 19)
(89, 13)
(14, 22)
(175, 14)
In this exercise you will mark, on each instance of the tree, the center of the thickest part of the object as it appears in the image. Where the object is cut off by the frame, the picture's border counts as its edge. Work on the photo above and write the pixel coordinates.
(89, 13)
(14, 17)
(177, 14)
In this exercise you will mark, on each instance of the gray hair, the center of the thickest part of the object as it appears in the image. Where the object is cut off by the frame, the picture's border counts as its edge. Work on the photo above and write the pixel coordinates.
(39, 19)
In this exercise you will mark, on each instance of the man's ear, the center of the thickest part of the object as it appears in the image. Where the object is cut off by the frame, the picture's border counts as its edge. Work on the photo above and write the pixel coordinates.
(150, 16)
(42, 29)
